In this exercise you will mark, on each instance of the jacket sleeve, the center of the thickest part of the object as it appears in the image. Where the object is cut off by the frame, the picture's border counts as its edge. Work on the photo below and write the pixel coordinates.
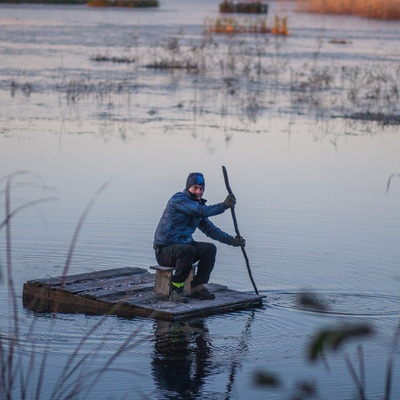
(188, 207)
(213, 232)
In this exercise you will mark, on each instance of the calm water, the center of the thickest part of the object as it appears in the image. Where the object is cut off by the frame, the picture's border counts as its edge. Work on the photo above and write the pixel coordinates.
(310, 188)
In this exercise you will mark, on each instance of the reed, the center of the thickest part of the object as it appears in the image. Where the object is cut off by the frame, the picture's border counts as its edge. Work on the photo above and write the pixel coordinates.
(390, 180)
(171, 56)
(380, 9)
(23, 373)
(329, 340)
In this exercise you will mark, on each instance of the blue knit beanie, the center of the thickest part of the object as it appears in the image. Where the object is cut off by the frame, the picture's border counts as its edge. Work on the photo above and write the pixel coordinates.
(195, 178)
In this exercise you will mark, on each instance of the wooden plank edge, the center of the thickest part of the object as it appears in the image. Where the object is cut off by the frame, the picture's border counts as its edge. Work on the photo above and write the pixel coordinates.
(178, 311)
(42, 300)
(101, 274)
(223, 309)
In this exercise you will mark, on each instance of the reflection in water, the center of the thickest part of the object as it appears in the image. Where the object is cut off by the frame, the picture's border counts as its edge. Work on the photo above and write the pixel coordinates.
(181, 359)
(184, 356)
(241, 349)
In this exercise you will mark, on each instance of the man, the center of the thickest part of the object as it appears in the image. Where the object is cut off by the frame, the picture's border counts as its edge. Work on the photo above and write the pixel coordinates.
(173, 242)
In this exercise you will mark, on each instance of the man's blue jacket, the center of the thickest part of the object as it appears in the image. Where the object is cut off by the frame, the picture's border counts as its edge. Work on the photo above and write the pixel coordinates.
(183, 215)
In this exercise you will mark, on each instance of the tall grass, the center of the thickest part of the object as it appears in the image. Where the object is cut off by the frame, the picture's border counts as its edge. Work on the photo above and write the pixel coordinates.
(23, 369)
(381, 9)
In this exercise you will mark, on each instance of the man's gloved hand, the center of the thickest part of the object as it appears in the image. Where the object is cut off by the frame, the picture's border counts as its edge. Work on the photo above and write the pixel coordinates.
(230, 201)
(238, 241)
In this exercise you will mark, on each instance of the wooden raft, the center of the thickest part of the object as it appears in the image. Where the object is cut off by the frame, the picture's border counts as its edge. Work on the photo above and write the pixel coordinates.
(126, 292)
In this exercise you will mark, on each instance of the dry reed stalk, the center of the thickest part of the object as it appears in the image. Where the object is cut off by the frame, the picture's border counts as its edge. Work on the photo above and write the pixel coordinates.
(233, 25)
(380, 9)
(78, 376)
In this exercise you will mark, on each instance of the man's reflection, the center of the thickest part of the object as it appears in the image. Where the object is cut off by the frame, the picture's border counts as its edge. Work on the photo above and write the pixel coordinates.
(181, 358)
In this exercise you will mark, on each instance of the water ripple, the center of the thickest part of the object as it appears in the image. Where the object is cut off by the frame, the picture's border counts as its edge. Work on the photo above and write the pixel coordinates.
(351, 304)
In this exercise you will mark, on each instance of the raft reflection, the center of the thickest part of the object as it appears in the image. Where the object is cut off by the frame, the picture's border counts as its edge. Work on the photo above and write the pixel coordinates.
(185, 359)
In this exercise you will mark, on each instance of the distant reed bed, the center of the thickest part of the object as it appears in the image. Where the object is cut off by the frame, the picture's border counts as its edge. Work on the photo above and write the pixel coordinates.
(380, 9)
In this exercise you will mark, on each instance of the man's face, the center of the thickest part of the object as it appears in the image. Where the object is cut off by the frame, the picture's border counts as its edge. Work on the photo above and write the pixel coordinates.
(197, 191)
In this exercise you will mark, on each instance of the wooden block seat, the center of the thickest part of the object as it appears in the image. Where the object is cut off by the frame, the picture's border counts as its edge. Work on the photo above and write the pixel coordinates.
(163, 279)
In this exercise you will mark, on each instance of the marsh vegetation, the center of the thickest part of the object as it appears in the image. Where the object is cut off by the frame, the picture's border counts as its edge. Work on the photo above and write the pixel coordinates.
(380, 9)
(250, 71)
(253, 7)
(25, 368)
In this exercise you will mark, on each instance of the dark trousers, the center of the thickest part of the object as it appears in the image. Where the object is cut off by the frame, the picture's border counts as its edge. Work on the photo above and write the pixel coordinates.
(183, 256)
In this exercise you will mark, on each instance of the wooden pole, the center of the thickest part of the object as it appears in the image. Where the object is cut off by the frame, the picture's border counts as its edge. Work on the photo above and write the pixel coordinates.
(228, 188)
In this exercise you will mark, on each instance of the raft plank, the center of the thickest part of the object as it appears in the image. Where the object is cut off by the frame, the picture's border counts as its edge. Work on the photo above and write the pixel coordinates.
(103, 274)
(117, 295)
(127, 292)
(225, 300)
(116, 283)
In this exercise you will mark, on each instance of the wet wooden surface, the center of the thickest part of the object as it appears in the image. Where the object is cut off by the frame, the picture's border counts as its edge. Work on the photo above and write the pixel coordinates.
(127, 292)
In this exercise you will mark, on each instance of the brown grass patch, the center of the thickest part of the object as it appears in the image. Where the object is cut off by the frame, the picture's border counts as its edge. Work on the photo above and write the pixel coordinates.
(380, 9)
(234, 25)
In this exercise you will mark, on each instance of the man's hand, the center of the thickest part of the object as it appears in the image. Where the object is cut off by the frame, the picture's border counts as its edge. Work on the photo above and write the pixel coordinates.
(238, 241)
(230, 201)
